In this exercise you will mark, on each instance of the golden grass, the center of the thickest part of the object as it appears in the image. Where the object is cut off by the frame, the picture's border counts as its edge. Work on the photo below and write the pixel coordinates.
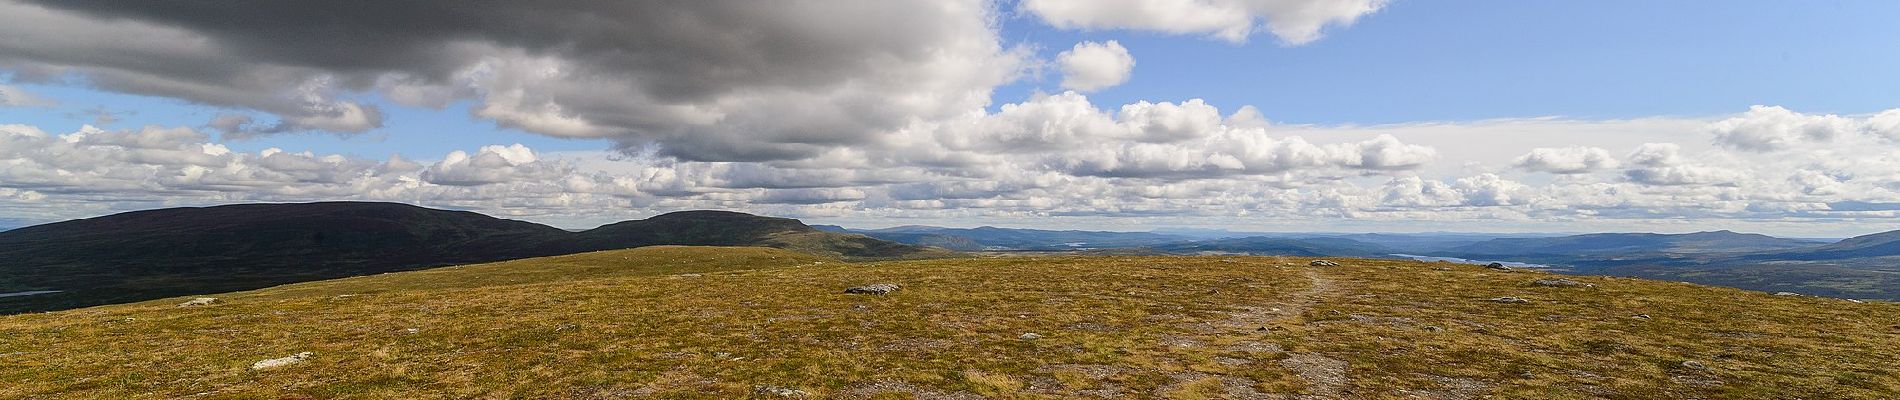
(681, 322)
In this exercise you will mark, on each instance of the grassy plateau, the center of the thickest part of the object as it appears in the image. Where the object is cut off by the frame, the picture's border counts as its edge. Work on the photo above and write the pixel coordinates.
(739, 322)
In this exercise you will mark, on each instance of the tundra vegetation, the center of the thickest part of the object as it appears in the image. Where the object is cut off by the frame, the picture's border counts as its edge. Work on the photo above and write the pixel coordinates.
(734, 322)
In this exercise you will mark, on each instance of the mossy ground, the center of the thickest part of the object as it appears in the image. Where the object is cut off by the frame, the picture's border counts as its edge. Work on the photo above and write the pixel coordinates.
(681, 322)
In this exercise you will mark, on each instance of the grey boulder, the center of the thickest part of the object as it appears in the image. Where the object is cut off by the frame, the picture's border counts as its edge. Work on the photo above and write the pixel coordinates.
(876, 288)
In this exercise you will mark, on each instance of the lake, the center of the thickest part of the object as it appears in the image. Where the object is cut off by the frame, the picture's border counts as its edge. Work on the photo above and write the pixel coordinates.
(1512, 264)
(29, 293)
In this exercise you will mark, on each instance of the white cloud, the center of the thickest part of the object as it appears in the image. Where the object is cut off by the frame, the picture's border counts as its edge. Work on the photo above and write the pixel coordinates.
(1052, 156)
(1294, 22)
(1092, 66)
(1663, 164)
(1769, 128)
(1566, 160)
(15, 97)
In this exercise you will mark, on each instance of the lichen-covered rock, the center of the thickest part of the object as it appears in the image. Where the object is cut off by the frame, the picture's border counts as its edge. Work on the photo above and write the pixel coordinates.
(778, 391)
(279, 362)
(1029, 336)
(201, 301)
(876, 288)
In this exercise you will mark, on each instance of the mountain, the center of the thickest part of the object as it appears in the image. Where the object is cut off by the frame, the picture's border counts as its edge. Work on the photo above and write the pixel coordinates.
(993, 238)
(725, 228)
(1421, 243)
(1884, 244)
(177, 251)
(1613, 244)
(710, 323)
(1263, 245)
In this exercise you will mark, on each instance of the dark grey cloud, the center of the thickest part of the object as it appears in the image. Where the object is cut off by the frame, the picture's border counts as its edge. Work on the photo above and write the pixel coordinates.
(699, 80)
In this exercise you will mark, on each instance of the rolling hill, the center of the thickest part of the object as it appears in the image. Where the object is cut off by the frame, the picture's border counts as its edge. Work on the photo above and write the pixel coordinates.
(170, 252)
(693, 322)
(1884, 244)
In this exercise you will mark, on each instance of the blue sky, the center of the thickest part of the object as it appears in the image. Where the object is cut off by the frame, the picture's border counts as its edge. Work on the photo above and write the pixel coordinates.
(1467, 60)
(1511, 116)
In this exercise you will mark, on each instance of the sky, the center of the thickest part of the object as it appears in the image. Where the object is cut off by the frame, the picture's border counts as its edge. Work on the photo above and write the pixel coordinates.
(1248, 115)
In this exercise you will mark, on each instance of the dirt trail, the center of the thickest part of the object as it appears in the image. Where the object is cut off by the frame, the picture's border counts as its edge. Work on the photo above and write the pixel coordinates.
(1258, 316)
(1325, 377)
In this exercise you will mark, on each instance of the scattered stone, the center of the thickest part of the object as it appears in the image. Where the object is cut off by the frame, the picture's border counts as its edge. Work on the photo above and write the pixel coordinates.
(1325, 377)
(1323, 263)
(878, 289)
(1441, 268)
(1510, 300)
(778, 391)
(1497, 266)
(201, 301)
(1029, 336)
(279, 362)
(1787, 294)
(412, 331)
(1698, 381)
(1692, 364)
(1433, 328)
(1640, 316)
(566, 327)
(1855, 301)
(1561, 283)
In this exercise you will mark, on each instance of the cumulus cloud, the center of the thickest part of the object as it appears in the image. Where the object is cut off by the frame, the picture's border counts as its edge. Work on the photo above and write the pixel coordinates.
(1770, 128)
(1092, 66)
(1663, 164)
(1294, 22)
(1566, 160)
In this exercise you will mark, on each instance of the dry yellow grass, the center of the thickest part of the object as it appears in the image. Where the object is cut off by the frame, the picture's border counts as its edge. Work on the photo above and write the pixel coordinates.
(679, 322)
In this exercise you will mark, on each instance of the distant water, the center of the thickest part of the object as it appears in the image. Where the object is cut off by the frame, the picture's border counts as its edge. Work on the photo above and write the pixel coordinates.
(29, 293)
(1512, 264)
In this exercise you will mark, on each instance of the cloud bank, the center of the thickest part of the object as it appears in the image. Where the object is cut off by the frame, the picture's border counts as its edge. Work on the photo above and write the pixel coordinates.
(872, 109)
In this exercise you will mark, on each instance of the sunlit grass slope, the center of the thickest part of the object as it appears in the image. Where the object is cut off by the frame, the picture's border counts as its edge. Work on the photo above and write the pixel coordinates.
(716, 322)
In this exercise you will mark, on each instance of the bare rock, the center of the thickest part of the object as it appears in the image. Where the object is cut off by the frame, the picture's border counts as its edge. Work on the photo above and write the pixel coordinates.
(778, 391)
(1323, 263)
(1029, 336)
(279, 362)
(1497, 266)
(201, 301)
(877, 288)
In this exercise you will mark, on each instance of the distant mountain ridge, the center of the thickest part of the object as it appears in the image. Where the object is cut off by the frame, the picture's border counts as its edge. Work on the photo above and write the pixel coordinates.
(1630, 243)
(994, 238)
(1300, 247)
(1866, 266)
(177, 251)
